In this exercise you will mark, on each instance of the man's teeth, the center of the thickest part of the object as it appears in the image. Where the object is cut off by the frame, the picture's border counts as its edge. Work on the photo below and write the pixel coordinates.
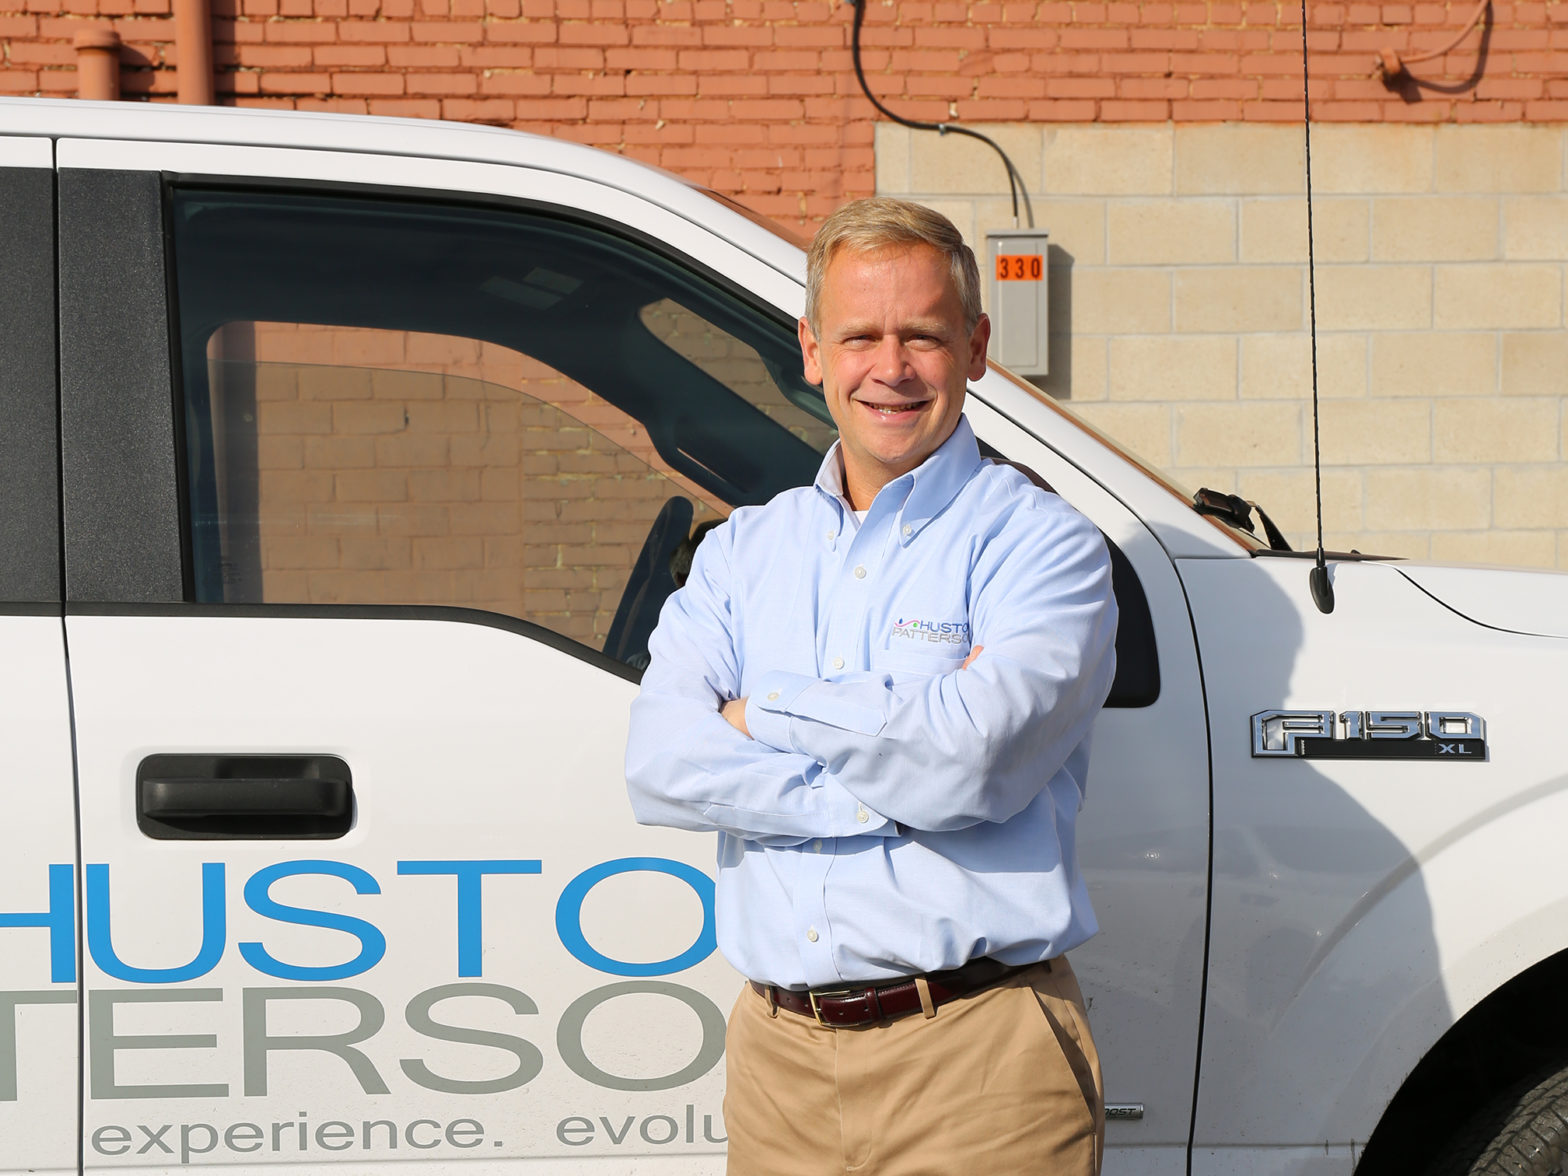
(891, 409)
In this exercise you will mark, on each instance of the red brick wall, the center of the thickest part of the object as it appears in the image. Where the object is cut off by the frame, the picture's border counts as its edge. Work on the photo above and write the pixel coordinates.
(402, 468)
(757, 97)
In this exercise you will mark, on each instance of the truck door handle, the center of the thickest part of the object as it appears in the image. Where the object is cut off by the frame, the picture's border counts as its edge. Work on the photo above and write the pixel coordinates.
(251, 797)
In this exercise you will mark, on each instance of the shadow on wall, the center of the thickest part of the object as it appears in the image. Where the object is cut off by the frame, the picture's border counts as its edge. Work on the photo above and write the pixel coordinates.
(1059, 314)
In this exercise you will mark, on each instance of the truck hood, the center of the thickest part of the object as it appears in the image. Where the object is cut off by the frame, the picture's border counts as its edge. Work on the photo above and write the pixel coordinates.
(1533, 602)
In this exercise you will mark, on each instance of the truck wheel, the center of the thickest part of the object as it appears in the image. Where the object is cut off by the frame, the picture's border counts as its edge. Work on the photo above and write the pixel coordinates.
(1524, 1132)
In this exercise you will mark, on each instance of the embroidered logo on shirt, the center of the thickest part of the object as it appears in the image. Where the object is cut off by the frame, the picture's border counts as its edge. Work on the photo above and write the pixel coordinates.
(948, 632)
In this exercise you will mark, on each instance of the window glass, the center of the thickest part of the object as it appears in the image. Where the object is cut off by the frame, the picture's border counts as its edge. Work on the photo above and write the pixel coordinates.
(396, 402)
(778, 395)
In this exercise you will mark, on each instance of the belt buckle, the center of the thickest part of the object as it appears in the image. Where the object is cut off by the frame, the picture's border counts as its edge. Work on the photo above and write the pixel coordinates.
(816, 1010)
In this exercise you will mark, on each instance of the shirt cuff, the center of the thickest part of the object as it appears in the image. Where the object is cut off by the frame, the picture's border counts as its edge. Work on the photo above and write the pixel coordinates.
(854, 818)
(767, 708)
(780, 699)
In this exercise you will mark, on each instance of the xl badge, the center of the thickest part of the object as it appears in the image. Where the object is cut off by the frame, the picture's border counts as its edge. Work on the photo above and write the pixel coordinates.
(1402, 735)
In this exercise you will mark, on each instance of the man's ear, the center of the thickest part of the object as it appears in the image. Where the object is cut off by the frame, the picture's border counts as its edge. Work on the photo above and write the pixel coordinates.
(810, 353)
(978, 342)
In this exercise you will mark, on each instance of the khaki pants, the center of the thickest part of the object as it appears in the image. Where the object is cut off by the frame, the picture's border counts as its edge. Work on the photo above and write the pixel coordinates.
(1004, 1080)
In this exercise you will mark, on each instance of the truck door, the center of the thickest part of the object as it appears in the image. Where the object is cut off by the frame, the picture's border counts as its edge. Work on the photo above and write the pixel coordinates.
(38, 973)
(1143, 834)
(361, 564)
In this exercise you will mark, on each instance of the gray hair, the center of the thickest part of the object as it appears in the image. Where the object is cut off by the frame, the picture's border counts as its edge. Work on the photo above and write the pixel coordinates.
(864, 226)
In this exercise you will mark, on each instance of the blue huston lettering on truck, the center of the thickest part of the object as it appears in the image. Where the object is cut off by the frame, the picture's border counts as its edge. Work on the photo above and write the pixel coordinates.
(59, 919)
(569, 926)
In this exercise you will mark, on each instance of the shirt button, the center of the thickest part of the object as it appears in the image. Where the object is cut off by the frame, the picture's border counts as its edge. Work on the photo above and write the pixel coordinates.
(860, 573)
(811, 934)
(832, 535)
(838, 663)
(908, 530)
(862, 816)
(816, 846)
(773, 695)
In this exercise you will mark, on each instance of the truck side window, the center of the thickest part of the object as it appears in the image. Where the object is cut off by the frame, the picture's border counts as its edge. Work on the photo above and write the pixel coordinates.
(405, 402)
(390, 402)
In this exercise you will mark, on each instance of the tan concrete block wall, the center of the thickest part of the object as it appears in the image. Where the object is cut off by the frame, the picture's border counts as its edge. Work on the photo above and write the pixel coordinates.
(1180, 307)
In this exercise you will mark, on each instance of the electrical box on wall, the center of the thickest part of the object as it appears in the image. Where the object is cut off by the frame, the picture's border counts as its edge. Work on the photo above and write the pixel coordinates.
(1016, 264)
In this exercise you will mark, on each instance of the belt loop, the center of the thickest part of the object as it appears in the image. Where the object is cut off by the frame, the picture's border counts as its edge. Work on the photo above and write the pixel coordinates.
(773, 1000)
(927, 1005)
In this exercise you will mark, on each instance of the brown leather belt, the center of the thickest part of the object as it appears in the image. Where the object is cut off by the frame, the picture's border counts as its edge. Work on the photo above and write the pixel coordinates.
(866, 1004)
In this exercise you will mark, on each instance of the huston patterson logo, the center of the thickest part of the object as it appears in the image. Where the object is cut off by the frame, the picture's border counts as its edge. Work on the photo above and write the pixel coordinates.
(947, 632)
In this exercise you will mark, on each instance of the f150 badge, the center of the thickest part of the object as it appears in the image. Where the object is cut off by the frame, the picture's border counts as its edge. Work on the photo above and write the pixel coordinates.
(1400, 735)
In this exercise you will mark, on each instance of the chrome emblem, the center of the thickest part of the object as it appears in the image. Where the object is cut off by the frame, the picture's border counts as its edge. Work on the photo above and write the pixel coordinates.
(1403, 735)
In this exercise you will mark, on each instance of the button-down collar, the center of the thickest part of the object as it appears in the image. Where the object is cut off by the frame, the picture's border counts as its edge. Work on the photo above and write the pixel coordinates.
(923, 492)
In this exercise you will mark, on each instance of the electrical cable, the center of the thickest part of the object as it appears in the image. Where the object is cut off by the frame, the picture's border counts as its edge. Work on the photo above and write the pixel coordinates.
(1318, 579)
(1015, 182)
(1390, 65)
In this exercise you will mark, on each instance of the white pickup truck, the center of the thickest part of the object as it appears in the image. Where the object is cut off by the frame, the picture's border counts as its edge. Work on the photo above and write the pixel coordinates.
(346, 464)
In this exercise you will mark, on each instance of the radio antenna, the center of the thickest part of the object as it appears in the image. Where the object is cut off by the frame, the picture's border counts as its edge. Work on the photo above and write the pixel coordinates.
(1318, 579)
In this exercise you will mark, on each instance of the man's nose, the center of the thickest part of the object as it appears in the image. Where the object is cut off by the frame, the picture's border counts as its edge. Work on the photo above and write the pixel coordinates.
(892, 360)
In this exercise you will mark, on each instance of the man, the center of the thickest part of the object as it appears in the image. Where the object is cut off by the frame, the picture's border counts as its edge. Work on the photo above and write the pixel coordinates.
(878, 690)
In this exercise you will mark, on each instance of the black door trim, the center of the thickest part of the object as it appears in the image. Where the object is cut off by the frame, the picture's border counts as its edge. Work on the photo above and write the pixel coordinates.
(117, 423)
(30, 440)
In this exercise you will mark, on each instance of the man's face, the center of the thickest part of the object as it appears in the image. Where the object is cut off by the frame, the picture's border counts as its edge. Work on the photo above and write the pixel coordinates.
(893, 358)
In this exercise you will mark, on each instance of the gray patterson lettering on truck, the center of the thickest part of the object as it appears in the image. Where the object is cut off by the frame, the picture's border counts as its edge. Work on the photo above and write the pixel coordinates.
(105, 1042)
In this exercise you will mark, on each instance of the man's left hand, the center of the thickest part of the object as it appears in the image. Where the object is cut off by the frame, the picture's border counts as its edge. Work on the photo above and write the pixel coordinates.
(734, 712)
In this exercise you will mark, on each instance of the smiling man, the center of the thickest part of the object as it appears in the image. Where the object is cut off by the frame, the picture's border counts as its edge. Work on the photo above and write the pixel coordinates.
(878, 690)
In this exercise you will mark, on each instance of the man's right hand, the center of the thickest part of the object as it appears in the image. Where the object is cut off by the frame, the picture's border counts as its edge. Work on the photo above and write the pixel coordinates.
(734, 711)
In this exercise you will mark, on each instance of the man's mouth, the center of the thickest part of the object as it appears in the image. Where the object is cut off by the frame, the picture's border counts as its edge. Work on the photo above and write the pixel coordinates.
(895, 409)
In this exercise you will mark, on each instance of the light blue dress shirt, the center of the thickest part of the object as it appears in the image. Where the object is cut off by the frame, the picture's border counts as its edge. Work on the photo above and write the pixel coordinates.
(892, 813)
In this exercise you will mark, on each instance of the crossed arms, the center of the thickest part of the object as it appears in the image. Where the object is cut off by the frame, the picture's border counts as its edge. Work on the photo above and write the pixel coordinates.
(867, 752)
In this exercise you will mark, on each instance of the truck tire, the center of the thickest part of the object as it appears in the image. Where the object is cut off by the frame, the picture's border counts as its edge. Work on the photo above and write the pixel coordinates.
(1524, 1132)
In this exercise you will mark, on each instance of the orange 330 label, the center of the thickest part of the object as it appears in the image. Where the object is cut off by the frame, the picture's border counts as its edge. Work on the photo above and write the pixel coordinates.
(1020, 267)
